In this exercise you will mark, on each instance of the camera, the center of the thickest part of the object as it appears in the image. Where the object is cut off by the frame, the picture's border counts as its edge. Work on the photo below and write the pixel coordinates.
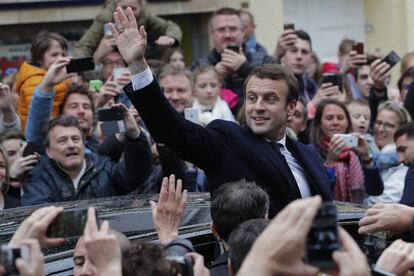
(9, 255)
(176, 252)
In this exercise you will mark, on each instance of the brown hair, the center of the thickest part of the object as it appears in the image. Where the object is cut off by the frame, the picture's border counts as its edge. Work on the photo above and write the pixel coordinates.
(345, 46)
(405, 60)
(41, 44)
(401, 112)
(316, 131)
(204, 69)
(170, 69)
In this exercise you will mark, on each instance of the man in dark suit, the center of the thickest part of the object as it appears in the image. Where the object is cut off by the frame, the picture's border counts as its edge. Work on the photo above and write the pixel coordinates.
(259, 152)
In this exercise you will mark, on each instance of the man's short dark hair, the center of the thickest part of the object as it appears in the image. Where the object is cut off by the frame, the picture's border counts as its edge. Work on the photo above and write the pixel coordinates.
(65, 121)
(405, 129)
(242, 239)
(144, 258)
(235, 202)
(276, 72)
(171, 70)
(223, 11)
(11, 134)
(304, 36)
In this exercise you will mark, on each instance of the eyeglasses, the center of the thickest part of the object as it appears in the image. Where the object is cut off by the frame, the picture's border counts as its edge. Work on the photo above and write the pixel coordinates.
(387, 126)
(231, 29)
(118, 63)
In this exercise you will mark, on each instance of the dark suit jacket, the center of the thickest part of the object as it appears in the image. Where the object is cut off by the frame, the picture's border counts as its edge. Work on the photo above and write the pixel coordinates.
(408, 193)
(227, 152)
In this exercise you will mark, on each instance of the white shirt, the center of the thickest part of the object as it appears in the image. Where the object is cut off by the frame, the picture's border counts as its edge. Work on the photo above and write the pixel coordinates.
(142, 79)
(296, 169)
(76, 180)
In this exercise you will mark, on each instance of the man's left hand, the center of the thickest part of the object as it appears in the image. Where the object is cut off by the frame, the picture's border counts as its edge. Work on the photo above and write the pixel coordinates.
(232, 59)
(133, 130)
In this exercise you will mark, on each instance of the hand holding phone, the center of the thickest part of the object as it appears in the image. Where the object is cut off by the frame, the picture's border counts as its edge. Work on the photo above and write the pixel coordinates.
(234, 48)
(334, 79)
(351, 141)
(392, 59)
(358, 47)
(288, 26)
(10, 253)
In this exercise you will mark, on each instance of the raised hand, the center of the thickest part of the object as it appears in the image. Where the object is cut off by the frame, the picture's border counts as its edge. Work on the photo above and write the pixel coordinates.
(23, 164)
(55, 74)
(130, 40)
(380, 73)
(167, 213)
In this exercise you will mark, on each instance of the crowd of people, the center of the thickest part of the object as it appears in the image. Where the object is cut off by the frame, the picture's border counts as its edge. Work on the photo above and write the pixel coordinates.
(268, 135)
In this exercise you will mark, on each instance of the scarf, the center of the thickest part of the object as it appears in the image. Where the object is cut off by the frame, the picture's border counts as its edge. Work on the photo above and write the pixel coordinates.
(349, 186)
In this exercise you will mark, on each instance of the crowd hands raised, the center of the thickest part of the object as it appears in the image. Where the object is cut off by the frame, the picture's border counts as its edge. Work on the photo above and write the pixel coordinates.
(358, 128)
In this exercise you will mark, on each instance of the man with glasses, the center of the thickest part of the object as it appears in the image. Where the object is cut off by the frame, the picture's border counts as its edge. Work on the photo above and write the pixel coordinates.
(230, 57)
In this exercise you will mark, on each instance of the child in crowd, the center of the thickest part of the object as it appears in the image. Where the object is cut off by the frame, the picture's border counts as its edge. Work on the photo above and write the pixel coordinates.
(45, 50)
(207, 86)
(360, 117)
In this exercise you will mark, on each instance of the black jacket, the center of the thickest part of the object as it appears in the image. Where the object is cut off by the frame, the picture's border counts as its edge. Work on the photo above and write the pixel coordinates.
(227, 152)
(47, 183)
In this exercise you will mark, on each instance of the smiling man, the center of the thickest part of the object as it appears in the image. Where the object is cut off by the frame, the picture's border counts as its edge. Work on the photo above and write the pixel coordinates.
(224, 150)
(67, 173)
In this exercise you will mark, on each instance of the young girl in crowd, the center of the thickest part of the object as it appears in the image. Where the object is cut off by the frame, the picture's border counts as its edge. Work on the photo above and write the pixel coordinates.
(45, 49)
(207, 86)
(4, 179)
(350, 177)
(175, 57)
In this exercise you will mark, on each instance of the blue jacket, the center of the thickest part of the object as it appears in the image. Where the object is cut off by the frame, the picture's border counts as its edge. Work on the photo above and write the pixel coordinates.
(47, 183)
(227, 152)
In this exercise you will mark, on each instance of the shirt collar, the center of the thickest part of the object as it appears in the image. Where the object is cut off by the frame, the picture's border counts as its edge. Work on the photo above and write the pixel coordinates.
(281, 141)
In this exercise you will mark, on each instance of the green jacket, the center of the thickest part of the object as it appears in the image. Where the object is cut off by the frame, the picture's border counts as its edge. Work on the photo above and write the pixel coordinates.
(154, 26)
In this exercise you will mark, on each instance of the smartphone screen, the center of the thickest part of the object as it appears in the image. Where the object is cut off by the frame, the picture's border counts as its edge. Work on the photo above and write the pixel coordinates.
(358, 47)
(69, 224)
(392, 58)
(234, 48)
(80, 65)
(334, 79)
(323, 237)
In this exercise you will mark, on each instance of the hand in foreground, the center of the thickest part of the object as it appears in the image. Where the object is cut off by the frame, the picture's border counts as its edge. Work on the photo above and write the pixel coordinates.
(394, 218)
(130, 41)
(350, 259)
(336, 145)
(35, 265)
(5, 97)
(398, 258)
(380, 73)
(35, 227)
(273, 255)
(198, 261)
(102, 247)
(168, 212)
(56, 74)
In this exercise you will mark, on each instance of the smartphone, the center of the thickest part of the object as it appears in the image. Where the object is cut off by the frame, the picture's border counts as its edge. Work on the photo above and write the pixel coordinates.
(107, 31)
(95, 85)
(30, 149)
(234, 48)
(112, 121)
(69, 224)
(334, 79)
(288, 26)
(351, 141)
(392, 58)
(116, 74)
(191, 114)
(80, 65)
(9, 254)
(323, 238)
(358, 47)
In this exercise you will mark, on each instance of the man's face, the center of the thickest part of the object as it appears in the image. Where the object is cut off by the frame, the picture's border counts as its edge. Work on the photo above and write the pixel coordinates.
(405, 149)
(297, 121)
(82, 265)
(248, 27)
(226, 30)
(364, 81)
(177, 89)
(66, 147)
(298, 57)
(133, 4)
(109, 62)
(80, 107)
(266, 109)
(360, 118)
(12, 147)
(385, 126)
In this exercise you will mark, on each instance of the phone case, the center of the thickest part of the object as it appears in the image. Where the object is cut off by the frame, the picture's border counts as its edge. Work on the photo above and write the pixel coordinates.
(392, 58)
(110, 114)
(80, 65)
(192, 114)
